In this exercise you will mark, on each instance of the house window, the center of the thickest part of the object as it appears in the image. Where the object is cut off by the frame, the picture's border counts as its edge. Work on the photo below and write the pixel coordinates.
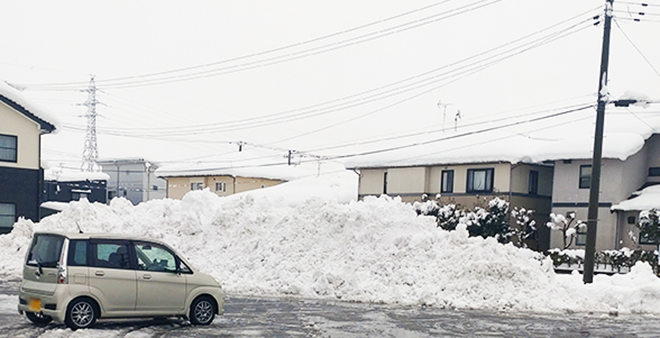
(645, 240)
(385, 183)
(632, 220)
(480, 180)
(654, 171)
(585, 176)
(581, 238)
(8, 148)
(447, 181)
(7, 215)
(221, 186)
(533, 182)
(196, 186)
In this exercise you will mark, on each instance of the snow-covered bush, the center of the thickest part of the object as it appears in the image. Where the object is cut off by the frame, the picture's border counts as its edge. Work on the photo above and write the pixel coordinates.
(488, 220)
(568, 225)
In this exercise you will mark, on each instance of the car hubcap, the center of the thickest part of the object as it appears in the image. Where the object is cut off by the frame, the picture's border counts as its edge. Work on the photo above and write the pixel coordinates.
(204, 311)
(82, 314)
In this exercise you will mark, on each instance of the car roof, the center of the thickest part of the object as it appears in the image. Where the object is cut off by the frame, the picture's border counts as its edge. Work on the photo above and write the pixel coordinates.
(99, 235)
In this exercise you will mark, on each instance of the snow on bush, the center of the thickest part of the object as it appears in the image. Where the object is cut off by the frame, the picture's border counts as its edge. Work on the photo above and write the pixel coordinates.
(376, 250)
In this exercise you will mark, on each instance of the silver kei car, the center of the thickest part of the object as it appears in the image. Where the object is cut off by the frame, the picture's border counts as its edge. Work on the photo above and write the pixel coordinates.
(78, 278)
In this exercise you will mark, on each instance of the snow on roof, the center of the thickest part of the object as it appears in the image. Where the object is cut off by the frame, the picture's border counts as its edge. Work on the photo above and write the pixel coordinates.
(646, 199)
(74, 176)
(37, 112)
(615, 145)
(625, 135)
(276, 172)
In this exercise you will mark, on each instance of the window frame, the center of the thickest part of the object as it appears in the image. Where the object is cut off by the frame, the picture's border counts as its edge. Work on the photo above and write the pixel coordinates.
(447, 181)
(584, 181)
(11, 216)
(11, 150)
(654, 171)
(581, 235)
(92, 253)
(223, 185)
(489, 180)
(533, 184)
(195, 184)
(644, 241)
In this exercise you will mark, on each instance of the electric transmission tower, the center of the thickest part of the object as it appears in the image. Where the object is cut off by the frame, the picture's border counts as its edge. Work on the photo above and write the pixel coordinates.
(90, 152)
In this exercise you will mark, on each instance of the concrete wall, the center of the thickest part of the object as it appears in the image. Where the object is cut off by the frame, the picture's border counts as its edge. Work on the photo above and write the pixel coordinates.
(28, 138)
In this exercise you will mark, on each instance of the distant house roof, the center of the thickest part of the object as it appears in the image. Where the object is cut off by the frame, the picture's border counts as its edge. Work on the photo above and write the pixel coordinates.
(16, 101)
(276, 172)
(50, 175)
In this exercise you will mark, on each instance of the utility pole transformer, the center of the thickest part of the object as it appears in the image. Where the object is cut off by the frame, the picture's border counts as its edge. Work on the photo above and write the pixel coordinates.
(592, 214)
(90, 152)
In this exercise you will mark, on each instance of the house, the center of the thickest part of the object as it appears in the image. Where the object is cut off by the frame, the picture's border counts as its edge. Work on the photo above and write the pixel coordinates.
(65, 187)
(630, 168)
(21, 175)
(223, 179)
(463, 178)
(133, 179)
(547, 171)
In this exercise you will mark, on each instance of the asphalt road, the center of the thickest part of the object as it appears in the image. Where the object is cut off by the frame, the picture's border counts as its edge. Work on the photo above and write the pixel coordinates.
(287, 317)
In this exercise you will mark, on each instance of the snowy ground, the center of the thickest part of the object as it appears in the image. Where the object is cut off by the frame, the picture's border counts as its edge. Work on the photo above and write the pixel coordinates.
(377, 250)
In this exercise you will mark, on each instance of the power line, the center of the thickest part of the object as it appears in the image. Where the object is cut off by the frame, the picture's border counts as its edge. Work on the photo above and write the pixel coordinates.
(636, 48)
(456, 70)
(133, 81)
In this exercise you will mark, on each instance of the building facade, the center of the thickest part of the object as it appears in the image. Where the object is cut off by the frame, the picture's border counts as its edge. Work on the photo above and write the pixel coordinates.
(221, 185)
(21, 175)
(133, 179)
(523, 185)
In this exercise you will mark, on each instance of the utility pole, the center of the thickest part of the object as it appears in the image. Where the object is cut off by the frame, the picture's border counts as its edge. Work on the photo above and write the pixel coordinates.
(592, 214)
(443, 106)
(90, 151)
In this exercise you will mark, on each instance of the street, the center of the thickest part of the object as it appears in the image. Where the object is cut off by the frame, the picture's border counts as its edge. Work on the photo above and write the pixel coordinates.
(292, 317)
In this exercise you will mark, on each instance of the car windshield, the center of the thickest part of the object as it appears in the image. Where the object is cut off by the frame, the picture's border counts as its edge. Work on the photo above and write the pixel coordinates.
(45, 251)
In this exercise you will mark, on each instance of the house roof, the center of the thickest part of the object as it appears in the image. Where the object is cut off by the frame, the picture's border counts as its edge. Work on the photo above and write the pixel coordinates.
(276, 172)
(646, 199)
(14, 99)
(625, 135)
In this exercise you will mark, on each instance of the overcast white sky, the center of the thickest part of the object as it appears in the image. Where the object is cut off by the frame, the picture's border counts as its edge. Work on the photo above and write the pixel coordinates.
(309, 76)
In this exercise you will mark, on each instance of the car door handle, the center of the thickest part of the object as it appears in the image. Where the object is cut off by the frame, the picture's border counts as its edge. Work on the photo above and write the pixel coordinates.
(99, 273)
(146, 276)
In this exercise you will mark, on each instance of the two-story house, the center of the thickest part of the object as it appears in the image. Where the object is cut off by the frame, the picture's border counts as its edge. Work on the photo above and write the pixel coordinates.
(630, 163)
(133, 179)
(21, 174)
(223, 179)
(463, 176)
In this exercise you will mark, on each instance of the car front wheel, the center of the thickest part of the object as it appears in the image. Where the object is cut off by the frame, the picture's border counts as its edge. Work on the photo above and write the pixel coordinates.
(38, 318)
(202, 311)
(81, 314)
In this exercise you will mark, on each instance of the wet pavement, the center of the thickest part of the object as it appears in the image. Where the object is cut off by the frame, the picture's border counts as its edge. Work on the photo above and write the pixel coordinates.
(294, 317)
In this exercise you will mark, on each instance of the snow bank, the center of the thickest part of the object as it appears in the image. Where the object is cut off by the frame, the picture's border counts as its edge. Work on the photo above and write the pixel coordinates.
(376, 250)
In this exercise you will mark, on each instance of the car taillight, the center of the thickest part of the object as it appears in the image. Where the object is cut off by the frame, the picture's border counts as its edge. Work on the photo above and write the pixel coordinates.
(61, 275)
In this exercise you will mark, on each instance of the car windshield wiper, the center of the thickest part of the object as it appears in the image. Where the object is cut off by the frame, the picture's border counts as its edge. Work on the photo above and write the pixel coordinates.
(37, 259)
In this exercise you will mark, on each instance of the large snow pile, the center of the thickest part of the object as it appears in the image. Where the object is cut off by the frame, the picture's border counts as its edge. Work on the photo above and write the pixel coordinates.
(376, 250)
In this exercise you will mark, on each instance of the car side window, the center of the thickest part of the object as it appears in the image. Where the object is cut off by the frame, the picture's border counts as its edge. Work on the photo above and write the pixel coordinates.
(110, 255)
(154, 257)
(78, 253)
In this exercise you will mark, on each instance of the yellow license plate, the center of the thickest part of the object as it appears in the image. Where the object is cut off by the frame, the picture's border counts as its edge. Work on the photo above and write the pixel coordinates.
(35, 304)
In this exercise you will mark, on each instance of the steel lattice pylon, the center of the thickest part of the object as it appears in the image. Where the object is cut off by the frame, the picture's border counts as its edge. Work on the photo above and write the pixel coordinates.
(90, 152)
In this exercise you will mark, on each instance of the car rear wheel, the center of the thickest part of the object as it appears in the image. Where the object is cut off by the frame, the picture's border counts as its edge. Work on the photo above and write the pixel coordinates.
(202, 311)
(38, 318)
(81, 314)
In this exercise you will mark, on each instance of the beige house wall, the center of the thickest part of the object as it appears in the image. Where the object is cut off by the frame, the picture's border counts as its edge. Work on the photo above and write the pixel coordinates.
(177, 187)
(28, 137)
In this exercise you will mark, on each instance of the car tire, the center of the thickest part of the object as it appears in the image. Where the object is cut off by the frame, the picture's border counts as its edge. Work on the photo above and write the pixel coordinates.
(202, 311)
(81, 313)
(38, 318)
